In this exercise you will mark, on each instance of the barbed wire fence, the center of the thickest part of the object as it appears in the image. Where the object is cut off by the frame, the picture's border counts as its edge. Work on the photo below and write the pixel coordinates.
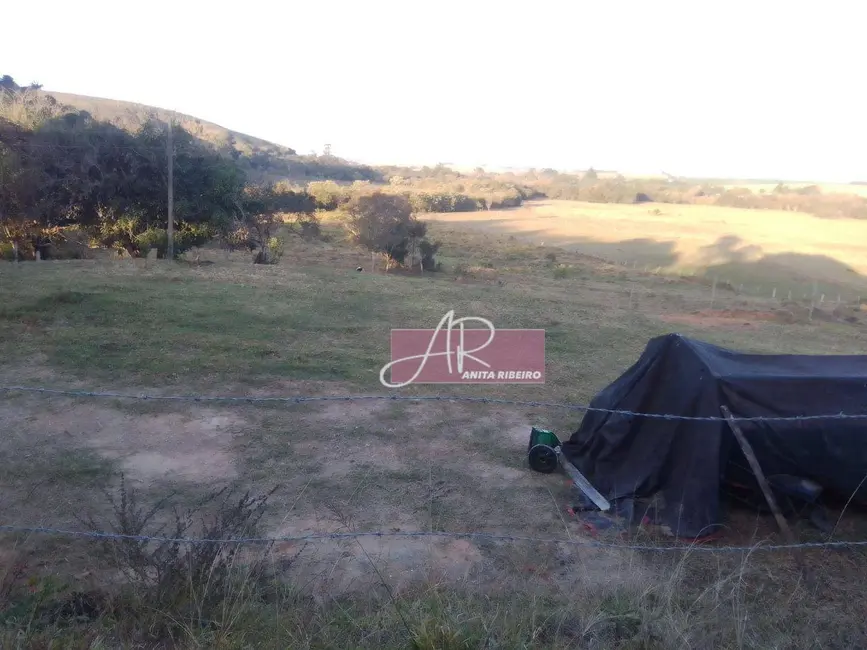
(300, 399)
(441, 534)
(696, 546)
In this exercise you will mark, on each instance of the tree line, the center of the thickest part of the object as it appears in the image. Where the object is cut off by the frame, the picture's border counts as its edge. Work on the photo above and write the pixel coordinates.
(63, 172)
(446, 190)
(67, 177)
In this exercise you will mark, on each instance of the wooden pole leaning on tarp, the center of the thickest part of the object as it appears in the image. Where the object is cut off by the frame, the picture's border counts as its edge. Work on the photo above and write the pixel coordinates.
(759, 474)
(766, 490)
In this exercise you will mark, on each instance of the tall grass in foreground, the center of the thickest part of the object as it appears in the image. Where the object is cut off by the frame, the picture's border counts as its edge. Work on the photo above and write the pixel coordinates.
(134, 593)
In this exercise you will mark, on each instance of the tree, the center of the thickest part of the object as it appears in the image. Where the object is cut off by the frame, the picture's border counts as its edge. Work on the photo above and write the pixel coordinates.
(261, 207)
(384, 223)
(328, 194)
(19, 196)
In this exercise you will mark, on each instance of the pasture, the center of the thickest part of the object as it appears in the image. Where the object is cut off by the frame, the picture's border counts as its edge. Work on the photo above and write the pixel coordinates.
(762, 250)
(312, 325)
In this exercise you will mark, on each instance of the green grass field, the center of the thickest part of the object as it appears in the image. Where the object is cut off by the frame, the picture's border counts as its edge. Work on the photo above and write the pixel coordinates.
(312, 325)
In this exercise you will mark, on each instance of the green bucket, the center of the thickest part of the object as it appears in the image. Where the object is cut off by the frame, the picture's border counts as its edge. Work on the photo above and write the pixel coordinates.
(542, 450)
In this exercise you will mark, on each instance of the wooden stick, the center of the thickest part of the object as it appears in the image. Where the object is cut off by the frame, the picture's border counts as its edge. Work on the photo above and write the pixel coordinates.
(757, 470)
(806, 572)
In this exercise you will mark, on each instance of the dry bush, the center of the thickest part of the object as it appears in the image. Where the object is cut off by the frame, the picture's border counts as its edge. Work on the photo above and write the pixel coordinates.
(186, 580)
(384, 223)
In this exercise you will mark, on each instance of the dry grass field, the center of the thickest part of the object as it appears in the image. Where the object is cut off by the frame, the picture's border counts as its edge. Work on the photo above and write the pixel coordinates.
(312, 325)
(761, 250)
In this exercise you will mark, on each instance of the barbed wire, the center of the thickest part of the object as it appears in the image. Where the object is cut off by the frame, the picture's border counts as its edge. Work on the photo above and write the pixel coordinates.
(441, 534)
(300, 399)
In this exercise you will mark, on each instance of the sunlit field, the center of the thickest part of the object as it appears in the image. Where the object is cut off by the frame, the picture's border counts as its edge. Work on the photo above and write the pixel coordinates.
(756, 250)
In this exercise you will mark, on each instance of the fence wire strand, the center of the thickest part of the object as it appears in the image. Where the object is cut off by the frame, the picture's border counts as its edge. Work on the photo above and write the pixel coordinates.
(299, 399)
(426, 534)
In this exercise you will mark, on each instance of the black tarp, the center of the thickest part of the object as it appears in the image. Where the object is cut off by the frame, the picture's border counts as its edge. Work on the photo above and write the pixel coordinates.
(686, 463)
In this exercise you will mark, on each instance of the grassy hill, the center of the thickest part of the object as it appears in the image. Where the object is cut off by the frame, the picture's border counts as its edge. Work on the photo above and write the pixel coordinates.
(129, 114)
(261, 159)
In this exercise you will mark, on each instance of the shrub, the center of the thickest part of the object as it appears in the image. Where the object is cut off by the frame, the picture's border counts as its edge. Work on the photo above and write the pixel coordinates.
(307, 225)
(270, 252)
(152, 238)
(327, 194)
(273, 251)
(383, 223)
(262, 209)
(428, 250)
(182, 581)
(445, 202)
(238, 237)
(7, 251)
(186, 237)
(70, 243)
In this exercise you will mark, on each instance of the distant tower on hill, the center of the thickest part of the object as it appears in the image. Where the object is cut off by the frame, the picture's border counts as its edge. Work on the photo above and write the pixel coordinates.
(327, 150)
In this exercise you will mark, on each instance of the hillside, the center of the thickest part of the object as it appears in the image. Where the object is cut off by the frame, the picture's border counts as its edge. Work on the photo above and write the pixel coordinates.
(259, 158)
(129, 114)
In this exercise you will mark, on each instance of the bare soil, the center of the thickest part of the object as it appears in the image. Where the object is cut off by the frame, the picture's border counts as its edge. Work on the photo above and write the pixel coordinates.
(416, 468)
(725, 318)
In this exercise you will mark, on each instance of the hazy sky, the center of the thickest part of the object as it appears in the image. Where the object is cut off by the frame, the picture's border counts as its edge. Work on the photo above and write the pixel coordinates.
(749, 89)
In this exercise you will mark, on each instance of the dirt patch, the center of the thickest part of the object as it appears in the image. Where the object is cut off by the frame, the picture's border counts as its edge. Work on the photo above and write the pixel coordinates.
(290, 387)
(788, 313)
(518, 435)
(335, 566)
(430, 467)
(351, 414)
(186, 447)
(731, 318)
(484, 471)
(354, 435)
(195, 446)
(342, 565)
(350, 455)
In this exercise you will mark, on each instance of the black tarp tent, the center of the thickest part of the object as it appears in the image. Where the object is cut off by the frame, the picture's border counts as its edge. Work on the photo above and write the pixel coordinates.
(686, 463)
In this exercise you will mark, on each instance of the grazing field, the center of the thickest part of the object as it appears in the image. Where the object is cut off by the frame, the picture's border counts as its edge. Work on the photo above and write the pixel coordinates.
(312, 325)
(760, 249)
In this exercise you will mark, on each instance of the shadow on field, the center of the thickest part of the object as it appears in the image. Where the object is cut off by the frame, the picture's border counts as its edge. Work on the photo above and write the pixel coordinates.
(730, 258)
(798, 275)
(646, 250)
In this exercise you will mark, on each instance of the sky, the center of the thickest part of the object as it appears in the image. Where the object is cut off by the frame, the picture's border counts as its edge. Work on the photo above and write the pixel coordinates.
(759, 89)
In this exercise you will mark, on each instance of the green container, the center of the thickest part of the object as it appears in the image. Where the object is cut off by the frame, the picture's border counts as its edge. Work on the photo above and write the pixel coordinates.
(541, 451)
(543, 437)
